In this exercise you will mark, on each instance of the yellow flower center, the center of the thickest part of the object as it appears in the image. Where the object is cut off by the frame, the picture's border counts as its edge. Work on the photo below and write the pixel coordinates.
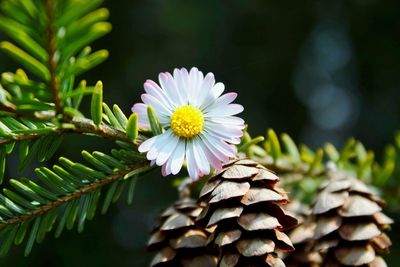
(187, 121)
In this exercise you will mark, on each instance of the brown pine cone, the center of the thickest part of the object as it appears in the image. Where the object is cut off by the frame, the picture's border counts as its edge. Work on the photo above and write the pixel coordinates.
(244, 206)
(349, 223)
(178, 241)
(301, 237)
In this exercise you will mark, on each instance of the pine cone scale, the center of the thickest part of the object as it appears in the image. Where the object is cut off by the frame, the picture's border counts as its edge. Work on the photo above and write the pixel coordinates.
(226, 238)
(355, 255)
(328, 201)
(227, 190)
(258, 221)
(177, 221)
(255, 247)
(224, 213)
(326, 225)
(256, 195)
(359, 206)
(359, 231)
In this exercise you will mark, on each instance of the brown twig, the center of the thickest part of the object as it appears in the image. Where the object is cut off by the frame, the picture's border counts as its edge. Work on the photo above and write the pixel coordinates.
(54, 83)
(80, 126)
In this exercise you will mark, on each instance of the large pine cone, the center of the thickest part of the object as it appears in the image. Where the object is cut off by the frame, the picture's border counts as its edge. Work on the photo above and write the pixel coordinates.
(178, 241)
(349, 223)
(244, 206)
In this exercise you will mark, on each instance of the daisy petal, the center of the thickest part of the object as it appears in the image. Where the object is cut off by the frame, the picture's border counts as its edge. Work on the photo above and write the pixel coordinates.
(153, 89)
(230, 120)
(204, 91)
(196, 78)
(216, 143)
(159, 107)
(182, 83)
(190, 161)
(224, 110)
(214, 161)
(141, 110)
(167, 82)
(177, 158)
(166, 151)
(163, 170)
(223, 100)
(213, 95)
(159, 143)
(200, 157)
(217, 90)
(215, 148)
(146, 145)
(224, 131)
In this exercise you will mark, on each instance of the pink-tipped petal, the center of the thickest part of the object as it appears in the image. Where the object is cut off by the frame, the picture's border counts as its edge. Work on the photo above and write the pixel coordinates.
(167, 82)
(221, 101)
(215, 148)
(161, 108)
(151, 88)
(163, 170)
(228, 150)
(214, 161)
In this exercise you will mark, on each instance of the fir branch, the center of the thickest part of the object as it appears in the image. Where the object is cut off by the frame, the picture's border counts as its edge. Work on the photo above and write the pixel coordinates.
(76, 126)
(74, 195)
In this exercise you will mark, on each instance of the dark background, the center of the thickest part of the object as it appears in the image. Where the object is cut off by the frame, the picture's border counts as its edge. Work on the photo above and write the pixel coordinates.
(318, 70)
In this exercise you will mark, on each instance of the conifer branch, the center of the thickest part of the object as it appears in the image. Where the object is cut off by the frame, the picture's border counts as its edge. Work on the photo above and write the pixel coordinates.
(36, 113)
(79, 126)
(73, 196)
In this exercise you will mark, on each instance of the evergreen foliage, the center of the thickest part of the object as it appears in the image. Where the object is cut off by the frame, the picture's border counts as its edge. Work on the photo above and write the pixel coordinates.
(303, 169)
(40, 106)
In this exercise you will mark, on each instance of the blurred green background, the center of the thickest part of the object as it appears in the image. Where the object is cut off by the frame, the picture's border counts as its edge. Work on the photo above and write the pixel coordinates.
(318, 70)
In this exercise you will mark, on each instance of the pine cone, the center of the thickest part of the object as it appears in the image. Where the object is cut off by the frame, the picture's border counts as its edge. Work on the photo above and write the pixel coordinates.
(301, 237)
(178, 241)
(244, 206)
(349, 223)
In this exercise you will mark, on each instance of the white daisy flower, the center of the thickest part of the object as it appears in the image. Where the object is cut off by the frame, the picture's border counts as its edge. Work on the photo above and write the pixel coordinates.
(198, 120)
